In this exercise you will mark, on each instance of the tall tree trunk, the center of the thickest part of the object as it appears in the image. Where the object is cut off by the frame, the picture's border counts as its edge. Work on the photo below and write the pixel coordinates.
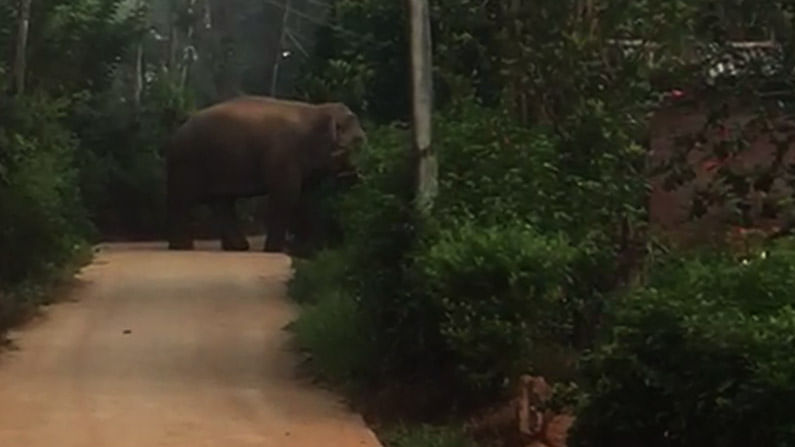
(225, 75)
(279, 45)
(519, 87)
(190, 47)
(173, 37)
(207, 16)
(516, 92)
(138, 86)
(20, 60)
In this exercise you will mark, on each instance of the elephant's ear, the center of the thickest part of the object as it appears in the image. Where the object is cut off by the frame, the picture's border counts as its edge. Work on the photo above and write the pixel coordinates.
(328, 130)
(333, 130)
(324, 134)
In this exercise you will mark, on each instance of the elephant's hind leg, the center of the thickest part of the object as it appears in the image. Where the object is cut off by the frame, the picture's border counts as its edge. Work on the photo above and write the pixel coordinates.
(301, 225)
(232, 237)
(281, 205)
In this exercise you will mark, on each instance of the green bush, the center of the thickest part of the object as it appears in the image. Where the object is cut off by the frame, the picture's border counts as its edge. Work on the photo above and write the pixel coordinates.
(701, 356)
(460, 297)
(122, 175)
(498, 290)
(43, 221)
(360, 61)
(493, 170)
(325, 274)
(427, 436)
(334, 331)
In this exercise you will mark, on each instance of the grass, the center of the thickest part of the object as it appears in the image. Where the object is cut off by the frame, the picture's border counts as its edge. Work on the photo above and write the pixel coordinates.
(426, 436)
(20, 302)
(334, 333)
(331, 331)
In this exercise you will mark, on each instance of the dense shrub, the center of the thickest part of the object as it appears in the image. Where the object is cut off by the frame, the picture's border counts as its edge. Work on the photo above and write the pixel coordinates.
(504, 263)
(330, 323)
(326, 273)
(122, 173)
(40, 208)
(701, 356)
(497, 290)
(360, 56)
(581, 181)
(427, 436)
(331, 318)
(42, 221)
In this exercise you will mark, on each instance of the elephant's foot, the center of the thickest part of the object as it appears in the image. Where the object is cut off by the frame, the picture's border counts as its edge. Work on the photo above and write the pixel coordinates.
(181, 244)
(235, 243)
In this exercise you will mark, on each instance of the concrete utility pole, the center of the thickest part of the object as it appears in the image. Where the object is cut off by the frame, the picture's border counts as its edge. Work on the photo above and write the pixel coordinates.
(422, 103)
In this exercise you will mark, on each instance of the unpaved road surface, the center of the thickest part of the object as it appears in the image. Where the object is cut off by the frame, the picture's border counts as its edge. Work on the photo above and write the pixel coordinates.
(160, 348)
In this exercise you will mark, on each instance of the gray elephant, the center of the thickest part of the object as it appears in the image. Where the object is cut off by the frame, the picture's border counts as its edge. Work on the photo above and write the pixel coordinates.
(252, 146)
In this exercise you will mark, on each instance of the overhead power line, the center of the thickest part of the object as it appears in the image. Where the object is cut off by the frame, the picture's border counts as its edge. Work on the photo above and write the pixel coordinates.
(362, 38)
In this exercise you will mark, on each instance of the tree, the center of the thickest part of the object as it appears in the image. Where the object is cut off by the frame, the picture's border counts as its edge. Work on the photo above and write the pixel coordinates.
(279, 46)
(20, 59)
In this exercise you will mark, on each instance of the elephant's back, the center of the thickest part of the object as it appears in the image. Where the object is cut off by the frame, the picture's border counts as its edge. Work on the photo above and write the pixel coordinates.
(250, 117)
(235, 138)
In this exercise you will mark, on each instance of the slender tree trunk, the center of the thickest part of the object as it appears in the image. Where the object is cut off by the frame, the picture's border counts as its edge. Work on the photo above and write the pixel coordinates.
(20, 60)
(139, 75)
(519, 87)
(138, 86)
(279, 45)
(422, 103)
(172, 40)
(190, 48)
(207, 17)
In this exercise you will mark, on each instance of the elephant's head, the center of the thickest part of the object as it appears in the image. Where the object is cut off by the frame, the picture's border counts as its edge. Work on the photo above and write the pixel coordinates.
(347, 136)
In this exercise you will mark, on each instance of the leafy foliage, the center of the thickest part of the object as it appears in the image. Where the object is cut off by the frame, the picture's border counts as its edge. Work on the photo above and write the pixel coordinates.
(427, 436)
(56, 140)
(541, 214)
(43, 218)
(699, 356)
(122, 164)
(77, 46)
(327, 272)
(43, 223)
(463, 297)
(334, 320)
(497, 290)
(362, 53)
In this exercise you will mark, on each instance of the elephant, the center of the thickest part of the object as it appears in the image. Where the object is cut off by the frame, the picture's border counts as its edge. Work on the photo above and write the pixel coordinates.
(255, 146)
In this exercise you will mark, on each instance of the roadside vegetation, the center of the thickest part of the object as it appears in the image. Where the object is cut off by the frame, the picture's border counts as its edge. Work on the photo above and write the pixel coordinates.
(540, 256)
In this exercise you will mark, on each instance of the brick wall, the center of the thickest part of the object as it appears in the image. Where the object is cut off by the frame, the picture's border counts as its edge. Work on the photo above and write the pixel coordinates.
(669, 210)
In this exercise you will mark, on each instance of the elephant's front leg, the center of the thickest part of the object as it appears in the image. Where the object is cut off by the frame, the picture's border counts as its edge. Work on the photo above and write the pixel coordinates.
(282, 202)
(302, 227)
(232, 237)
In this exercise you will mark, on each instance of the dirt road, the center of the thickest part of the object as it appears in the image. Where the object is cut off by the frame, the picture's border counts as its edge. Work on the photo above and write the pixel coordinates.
(162, 349)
